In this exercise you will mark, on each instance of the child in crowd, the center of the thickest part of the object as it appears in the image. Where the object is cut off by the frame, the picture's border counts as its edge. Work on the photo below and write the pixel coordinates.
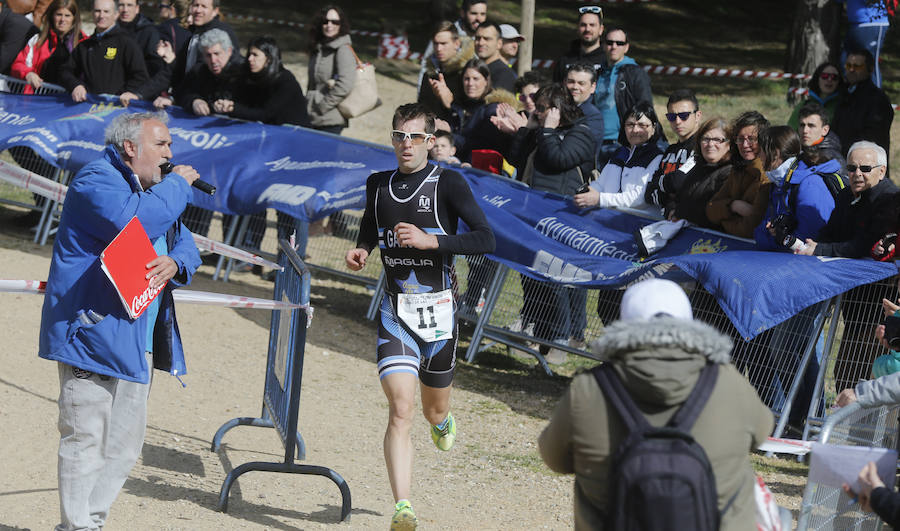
(444, 149)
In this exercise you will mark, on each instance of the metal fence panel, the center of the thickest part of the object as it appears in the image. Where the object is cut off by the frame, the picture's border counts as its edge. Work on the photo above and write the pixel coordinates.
(12, 85)
(284, 375)
(549, 321)
(829, 508)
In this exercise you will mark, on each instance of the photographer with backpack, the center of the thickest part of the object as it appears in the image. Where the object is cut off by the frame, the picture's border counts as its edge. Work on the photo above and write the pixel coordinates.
(659, 435)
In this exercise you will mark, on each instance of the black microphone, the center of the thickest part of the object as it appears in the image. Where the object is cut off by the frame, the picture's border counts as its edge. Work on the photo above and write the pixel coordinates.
(203, 186)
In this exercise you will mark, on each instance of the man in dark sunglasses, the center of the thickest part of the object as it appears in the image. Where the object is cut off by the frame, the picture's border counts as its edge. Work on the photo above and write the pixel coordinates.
(621, 84)
(586, 48)
(684, 117)
(860, 216)
(864, 112)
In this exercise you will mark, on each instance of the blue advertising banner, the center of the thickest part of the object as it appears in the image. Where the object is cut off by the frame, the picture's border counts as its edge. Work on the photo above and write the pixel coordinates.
(309, 175)
(254, 166)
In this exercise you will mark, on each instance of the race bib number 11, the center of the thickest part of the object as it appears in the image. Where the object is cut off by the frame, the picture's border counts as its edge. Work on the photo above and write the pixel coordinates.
(428, 315)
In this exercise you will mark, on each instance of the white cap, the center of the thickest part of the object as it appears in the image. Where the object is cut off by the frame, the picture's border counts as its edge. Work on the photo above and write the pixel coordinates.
(652, 297)
(510, 33)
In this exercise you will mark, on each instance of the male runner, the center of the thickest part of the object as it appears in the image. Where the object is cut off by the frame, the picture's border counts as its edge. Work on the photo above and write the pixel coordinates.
(412, 214)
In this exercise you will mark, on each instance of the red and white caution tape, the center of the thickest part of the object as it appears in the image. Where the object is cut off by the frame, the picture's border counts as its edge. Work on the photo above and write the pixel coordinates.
(721, 72)
(205, 244)
(32, 182)
(293, 24)
(23, 286)
(57, 192)
(186, 296)
(207, 298)
(396, 47)
(785, 446)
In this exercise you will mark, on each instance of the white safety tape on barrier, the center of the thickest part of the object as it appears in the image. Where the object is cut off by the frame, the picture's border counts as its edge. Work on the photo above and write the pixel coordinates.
(57, 192)
(187, 296)
(205, 244)
(32, 182)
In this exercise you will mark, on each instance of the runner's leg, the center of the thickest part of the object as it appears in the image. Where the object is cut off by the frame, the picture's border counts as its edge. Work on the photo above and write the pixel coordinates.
(435, 403)
(400, 390)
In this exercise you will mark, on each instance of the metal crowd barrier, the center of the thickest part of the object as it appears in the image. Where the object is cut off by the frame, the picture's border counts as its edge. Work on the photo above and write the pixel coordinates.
(284, 372)
(798, 367)
(830, 508)
(26, 158)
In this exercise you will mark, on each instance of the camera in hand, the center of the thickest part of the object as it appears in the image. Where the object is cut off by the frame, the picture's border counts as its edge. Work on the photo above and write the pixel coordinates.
(585, 188)
(892, 331)
(784, 226)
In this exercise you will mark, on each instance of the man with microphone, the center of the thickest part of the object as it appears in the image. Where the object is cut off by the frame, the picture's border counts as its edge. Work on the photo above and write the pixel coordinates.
(105, 358)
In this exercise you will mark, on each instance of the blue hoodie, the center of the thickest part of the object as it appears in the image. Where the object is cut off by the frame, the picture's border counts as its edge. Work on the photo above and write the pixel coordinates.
(605, 98)
(102, 199)
(813, 201)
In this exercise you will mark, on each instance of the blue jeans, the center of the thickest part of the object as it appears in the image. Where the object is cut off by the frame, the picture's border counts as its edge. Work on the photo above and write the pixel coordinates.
(869, 38)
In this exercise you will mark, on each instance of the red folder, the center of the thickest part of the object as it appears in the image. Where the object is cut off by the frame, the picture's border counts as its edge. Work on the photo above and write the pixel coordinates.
(125, 262)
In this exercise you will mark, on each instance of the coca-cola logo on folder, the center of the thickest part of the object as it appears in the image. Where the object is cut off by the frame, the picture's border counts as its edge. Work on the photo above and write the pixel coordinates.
(125, 262)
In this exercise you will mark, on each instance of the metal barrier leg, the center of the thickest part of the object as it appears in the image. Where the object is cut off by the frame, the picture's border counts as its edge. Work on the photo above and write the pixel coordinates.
(240, 421)
(808, 352)
(375, 303)
(229, 240)
(291, 469)
(823, 367)
(490, 300)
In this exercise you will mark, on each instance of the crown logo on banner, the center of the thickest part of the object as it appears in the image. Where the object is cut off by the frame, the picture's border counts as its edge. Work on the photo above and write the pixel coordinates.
(708, 247)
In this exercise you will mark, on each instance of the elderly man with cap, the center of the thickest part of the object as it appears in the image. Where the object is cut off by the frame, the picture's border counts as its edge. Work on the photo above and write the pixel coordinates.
(509, 43)
(657, 352)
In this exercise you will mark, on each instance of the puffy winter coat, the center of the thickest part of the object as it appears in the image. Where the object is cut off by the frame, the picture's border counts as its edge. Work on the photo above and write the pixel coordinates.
(659, 363)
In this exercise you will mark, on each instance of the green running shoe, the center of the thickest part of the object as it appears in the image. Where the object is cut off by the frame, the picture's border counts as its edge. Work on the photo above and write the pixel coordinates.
(445, 438)
(404, 518)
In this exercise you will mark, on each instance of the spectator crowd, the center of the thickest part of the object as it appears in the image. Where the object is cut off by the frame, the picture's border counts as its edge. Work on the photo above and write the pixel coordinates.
(587, 129)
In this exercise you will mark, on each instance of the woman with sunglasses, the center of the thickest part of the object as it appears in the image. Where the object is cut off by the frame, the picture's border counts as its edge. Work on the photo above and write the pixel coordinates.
(824, 89)
(552, 152)
(623, 180)
(470, 120)
(739, 205)
(46, 52)
(332, 68)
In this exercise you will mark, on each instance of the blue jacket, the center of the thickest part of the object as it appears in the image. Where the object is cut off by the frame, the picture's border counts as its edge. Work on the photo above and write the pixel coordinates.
(813, 201)
(593, 118)
(102, 199)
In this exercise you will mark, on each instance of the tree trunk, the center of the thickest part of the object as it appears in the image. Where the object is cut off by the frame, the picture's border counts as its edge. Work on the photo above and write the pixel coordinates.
(527, 31)
(814, 38)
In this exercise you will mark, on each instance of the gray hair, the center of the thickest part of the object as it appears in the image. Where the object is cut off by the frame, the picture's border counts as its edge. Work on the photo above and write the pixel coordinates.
(214, 37)
(129, 126)
(880, 153)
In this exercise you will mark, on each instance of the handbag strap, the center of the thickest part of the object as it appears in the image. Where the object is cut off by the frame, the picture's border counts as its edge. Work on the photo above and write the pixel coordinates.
(359, 64)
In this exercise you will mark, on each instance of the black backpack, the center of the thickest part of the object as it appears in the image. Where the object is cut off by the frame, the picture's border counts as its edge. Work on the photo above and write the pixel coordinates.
(660, 478)
(835, 182)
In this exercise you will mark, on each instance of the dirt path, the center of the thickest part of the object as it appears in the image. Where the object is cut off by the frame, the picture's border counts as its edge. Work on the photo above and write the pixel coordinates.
(492, 478)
